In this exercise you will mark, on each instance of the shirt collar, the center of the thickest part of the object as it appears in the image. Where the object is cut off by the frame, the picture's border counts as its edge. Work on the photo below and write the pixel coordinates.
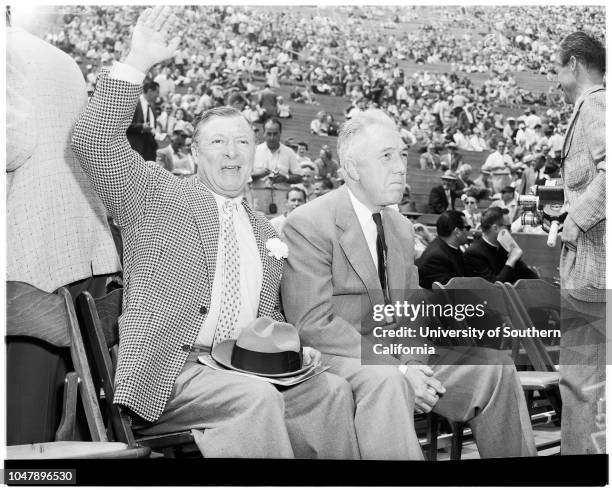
(594, 88)
(364, 215)
(487, 241)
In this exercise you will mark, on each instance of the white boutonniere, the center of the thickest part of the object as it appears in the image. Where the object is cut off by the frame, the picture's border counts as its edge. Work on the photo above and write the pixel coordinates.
(277, 248)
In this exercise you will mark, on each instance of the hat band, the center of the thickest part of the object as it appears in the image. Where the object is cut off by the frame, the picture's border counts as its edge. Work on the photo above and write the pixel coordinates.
(266, 362)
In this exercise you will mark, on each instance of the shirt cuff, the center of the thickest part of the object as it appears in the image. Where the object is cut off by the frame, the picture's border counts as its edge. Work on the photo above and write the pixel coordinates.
(403, 368)
(126, 73)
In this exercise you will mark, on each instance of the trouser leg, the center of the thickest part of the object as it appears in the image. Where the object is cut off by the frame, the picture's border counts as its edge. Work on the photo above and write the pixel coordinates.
(384, 409)
(582, 381)
(489, 397)
(35, 379)
(319, 415)
(242, 417)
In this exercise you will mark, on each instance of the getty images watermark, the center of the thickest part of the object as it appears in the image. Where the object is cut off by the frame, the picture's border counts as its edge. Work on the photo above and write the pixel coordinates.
(424, 323)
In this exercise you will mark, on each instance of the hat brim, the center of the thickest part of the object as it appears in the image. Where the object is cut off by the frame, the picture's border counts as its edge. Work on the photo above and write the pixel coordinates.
(222, 353)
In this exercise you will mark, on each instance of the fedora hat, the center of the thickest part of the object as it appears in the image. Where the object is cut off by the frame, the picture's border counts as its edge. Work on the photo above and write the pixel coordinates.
(449, 175)
(264, 347)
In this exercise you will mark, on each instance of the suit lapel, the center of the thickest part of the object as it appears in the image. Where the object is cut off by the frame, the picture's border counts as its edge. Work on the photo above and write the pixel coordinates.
(353, 243)
(206, 216)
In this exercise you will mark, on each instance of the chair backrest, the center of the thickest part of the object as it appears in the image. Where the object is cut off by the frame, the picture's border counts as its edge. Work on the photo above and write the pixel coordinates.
(82, 366)
(528, 296)
(479, 291)
(99, 328)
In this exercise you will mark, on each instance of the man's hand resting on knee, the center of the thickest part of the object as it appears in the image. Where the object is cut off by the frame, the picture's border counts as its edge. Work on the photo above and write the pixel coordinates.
(426, 388)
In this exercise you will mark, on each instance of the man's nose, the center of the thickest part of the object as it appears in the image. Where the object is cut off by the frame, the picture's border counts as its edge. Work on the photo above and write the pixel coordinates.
(231, 149)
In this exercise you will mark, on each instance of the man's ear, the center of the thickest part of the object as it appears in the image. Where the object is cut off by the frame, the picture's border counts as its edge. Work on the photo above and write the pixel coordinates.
(351, 169)
(573, 63)
(194, 150)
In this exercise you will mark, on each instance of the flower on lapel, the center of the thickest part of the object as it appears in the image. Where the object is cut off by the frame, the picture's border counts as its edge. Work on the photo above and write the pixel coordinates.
(277, 248)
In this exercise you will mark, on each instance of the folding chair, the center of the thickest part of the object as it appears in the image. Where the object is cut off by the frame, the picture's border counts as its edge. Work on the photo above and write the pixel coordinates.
(498, 299)
(530, 297)
(98, 320)
(77, 383)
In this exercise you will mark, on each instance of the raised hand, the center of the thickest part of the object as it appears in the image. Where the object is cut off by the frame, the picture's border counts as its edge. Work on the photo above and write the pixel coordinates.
(150, 44)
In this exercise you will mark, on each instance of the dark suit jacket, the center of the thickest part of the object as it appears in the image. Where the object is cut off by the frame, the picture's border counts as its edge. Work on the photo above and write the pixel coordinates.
(484, 260)
(439, 262)
(141, 142)
(437, 200)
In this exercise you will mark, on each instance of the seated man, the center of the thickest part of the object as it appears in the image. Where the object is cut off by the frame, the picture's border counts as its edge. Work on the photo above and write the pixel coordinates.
(352, 249)
(196, 271)
(486, 258)
(442, 260)
(442, 197)
(296, 196)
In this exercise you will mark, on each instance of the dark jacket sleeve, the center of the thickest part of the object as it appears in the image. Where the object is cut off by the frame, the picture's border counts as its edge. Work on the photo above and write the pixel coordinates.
(433, 268)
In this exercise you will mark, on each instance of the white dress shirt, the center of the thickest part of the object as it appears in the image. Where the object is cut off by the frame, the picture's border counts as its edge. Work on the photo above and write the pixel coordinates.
(283, 159)
(368, 227)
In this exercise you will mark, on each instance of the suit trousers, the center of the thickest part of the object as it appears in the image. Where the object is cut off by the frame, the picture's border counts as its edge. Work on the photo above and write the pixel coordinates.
(488, 396)
(234, 416)
(582, 362)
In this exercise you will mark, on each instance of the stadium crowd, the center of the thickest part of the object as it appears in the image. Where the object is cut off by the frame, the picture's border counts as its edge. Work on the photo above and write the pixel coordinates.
(240, 56)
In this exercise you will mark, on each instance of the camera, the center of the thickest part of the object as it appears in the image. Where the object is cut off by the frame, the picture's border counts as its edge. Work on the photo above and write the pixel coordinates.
(545, 206)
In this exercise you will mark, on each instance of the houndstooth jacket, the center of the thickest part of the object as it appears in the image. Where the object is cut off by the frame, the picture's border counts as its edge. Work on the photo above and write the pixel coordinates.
(170, 229)
(582, 269)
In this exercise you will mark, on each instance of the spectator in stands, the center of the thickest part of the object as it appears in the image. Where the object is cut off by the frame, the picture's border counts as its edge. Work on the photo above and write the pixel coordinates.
(302, 157)
(284, 110)
(268, 101)
(275, 160)
(464, 183)
(326, 165)
(477, 142)
(443, 259)
(472, 215)
(296, 196)
(308, 174)
(499, 159)
(176, 157)
(442, 197)
(452, 159)
(322, 186)
(320, 125)
(508, 201)
(141, 132)
(483, 182)
(165, 121)
(430, 158)
(486, 258)
(253, 112)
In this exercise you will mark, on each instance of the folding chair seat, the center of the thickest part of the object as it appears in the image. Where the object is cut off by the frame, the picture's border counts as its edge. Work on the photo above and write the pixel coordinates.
(98, 320)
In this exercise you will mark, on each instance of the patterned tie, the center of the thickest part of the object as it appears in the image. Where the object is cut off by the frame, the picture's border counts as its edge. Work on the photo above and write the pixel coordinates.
(230, 302)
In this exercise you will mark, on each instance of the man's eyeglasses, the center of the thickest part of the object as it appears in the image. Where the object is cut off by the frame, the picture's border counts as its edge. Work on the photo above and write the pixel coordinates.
(470, 202)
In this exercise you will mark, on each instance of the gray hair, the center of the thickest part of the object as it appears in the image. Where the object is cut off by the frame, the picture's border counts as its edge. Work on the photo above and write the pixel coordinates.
(464, 167)
(223, 111)
(357, 125)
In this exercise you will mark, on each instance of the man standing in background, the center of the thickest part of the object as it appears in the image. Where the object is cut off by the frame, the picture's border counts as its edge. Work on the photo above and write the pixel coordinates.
(57, 229)
(581, 66)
